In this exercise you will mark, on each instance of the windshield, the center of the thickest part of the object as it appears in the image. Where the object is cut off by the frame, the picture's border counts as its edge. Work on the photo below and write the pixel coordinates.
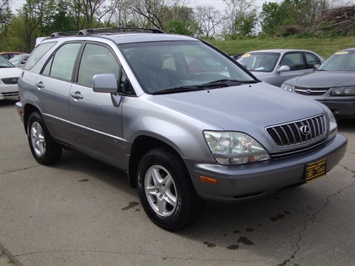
(5, 64)
(169, 67)
(18, 58)
(260, 62)
(340, 61)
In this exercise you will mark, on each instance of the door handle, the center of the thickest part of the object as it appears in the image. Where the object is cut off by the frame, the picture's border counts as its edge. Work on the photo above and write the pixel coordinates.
(40, 85)
(76, 95)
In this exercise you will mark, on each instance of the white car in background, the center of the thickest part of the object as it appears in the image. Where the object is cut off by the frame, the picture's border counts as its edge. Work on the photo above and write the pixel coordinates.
(9, 75)
(19, 60)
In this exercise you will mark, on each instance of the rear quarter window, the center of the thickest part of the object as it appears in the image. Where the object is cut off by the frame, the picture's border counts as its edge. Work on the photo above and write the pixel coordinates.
(38, 53)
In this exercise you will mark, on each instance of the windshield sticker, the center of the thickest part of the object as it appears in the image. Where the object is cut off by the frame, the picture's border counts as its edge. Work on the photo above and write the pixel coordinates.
(246, 55)
(342, 52)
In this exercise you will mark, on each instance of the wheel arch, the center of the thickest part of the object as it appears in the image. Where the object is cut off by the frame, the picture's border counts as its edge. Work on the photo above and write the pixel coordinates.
(28, 110)
(141, 145)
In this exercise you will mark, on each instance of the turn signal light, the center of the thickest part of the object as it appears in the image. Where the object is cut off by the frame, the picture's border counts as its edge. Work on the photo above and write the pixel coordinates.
(208, 179)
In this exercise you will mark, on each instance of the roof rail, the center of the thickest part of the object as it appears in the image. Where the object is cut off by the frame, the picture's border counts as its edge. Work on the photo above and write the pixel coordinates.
(86, 32)
(67, 33)
(115, 30)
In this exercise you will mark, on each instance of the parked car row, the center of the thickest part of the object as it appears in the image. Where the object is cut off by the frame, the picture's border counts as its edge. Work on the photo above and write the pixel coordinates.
(331, 82)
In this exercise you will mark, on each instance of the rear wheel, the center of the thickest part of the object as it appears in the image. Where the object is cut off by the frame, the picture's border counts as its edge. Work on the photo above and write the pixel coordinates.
(166, 191)
(44, 149)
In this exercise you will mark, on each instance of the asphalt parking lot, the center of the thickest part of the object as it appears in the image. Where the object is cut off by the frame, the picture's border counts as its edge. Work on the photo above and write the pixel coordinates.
(83, 212)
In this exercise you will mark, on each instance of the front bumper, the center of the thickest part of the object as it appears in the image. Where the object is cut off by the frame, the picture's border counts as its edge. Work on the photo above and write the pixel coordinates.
(8, 91)
(343, 108)
(252, 181)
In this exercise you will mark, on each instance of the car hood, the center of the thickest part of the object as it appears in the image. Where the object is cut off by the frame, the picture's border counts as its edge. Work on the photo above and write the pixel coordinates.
(325, 79)
(244, 107)
(12, 72)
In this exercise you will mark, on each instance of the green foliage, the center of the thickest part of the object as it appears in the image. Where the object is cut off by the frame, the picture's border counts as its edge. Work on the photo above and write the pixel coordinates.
(246, 25)
(180, 27)
(324, 46)
(59, 21)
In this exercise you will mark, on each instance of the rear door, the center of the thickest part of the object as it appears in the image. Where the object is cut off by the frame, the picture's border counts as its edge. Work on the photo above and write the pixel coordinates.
(54, 85)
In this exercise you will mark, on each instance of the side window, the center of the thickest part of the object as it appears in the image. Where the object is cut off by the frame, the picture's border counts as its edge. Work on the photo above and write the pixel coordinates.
(62, 63)
(38, 53)
(96, 59)
(311, 60)
(293, 60)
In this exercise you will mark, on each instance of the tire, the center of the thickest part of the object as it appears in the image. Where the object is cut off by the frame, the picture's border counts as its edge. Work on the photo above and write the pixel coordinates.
(44, 149)
(166, 191)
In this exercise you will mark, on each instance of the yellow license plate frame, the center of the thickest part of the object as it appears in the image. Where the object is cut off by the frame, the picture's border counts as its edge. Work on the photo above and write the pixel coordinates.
(316, 170)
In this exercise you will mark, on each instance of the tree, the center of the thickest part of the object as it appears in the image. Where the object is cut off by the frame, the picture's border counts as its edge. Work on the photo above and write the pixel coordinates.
(60, 20)
(34, 14)
(208, 19)
(240, 17)
(90, 13)
(291, 12)
(271, 17)
(5, 13)
(155, 12)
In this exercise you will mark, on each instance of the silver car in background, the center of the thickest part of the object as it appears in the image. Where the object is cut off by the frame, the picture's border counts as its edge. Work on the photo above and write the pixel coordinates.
(275, 66)
(184, 130)
(333, 83)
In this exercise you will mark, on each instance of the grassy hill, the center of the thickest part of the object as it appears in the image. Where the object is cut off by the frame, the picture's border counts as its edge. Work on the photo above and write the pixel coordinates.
(323, 46)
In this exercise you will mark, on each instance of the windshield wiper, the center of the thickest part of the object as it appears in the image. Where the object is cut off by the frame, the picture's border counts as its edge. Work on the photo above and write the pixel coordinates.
(221, 83)
(226, 83)
(179, 89)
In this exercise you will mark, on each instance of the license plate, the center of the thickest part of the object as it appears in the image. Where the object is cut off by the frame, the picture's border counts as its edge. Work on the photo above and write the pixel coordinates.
(316, 169)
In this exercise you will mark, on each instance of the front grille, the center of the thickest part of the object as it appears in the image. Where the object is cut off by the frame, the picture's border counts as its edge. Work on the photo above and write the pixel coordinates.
(10, 80)
(310, 92)
(298, 132)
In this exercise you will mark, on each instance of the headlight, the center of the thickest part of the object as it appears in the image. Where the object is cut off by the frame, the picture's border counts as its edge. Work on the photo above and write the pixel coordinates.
(332, 123)
(287, 87)
(343, 91)
(230, 148)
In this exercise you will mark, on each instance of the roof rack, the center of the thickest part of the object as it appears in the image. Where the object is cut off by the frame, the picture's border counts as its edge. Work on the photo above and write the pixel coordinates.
(86, 32)
(67, 33)
(115, 30)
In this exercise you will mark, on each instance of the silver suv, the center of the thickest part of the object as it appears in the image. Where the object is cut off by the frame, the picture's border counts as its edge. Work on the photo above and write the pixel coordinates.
(185, 121)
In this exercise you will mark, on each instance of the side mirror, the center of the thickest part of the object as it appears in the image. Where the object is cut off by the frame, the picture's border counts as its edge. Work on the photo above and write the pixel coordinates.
(284, 68)
(315, 67)
(105, 83)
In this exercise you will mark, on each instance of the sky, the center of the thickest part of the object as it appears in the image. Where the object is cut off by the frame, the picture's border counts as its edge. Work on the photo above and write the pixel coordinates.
(219, 4)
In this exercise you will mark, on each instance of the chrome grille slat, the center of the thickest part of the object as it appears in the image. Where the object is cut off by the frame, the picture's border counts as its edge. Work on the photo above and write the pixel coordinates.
(290, 134)
(310, 91)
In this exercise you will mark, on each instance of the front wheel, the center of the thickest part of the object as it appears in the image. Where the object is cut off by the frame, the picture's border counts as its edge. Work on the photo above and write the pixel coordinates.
(166, 191)
(44, 149)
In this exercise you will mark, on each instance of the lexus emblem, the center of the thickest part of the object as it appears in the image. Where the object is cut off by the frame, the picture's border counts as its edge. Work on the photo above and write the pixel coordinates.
(305, 130)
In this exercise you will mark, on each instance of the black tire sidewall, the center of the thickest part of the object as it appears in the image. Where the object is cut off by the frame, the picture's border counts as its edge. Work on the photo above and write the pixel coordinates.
(182, 214)
(53, 150)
